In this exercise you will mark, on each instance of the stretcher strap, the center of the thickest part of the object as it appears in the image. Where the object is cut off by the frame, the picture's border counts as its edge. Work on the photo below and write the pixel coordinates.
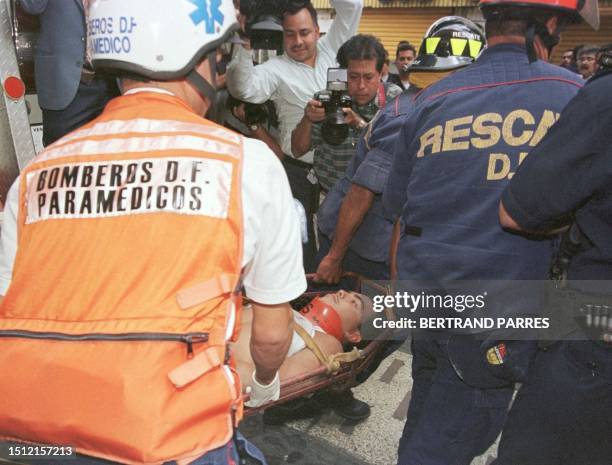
(346, 357)
(333, 362)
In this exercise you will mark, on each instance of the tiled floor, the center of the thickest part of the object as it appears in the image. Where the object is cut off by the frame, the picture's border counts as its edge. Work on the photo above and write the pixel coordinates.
(328, 439)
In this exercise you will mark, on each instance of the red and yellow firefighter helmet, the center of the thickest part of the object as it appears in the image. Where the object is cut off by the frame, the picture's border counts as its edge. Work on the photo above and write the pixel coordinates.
(576, 10)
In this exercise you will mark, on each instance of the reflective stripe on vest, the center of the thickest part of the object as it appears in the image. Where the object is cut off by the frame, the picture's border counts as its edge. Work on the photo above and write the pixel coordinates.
(125, 287)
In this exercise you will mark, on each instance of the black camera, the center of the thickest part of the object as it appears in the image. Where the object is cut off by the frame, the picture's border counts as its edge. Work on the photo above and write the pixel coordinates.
(334, 98)
(254, 113)
(605, 58)
(263, 24)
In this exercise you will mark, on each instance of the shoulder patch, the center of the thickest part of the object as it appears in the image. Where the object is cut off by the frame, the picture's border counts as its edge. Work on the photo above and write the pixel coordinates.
(496, 354)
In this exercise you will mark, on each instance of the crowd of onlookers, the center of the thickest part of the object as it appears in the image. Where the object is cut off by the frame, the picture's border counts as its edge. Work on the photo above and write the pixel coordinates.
(583, 59)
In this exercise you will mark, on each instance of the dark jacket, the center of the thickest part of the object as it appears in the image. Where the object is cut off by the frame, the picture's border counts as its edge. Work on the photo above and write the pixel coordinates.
(60, 50)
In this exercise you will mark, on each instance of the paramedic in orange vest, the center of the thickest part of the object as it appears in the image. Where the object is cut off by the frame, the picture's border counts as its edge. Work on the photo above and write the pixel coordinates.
(124, 249)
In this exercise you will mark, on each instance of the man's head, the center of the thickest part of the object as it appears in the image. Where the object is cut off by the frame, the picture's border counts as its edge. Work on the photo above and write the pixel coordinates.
(567, 58)
(353, 309)
(301, 32)
(363, 56)
(404, 56)
(539, 29)
(537, 23)
(148, 55)
(385, 70)
(586, 60)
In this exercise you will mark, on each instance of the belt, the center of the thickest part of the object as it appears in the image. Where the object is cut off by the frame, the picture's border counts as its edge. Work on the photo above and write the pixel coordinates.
(589, 312)
(289, 160)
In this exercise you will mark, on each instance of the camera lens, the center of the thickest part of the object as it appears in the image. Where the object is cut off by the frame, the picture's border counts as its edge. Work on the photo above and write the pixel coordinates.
(334, 133)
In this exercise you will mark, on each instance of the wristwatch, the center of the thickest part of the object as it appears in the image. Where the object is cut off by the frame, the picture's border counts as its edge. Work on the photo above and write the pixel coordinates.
(253, 127)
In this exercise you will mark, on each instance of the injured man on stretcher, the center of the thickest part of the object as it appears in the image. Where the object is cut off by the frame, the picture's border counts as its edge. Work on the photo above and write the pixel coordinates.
(331, 321)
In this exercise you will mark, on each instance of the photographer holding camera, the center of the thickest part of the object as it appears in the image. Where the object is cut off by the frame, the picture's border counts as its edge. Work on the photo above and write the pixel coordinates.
(333, 120)
(257, 121)
(291, 79)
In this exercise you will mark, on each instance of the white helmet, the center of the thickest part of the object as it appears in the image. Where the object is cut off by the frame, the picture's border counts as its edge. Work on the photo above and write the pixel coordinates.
(158, 39)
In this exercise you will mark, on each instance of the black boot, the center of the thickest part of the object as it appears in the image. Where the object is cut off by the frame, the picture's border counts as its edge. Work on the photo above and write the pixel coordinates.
(344, 404)
(296, 409)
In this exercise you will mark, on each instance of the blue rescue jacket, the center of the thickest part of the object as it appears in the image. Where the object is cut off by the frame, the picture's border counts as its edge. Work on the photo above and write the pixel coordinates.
(569, 176)
(459, 146)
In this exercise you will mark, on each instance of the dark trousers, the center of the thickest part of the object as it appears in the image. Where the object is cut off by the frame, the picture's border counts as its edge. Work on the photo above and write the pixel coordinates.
(229, 454)
(88, 103)
(448, 422)
(354, 263)
(563, 413)
(308, 195)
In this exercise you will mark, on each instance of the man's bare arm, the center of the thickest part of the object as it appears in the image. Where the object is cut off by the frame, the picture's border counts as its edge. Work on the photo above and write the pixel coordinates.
(260, 132)
(301, 136)
(301, 139)
(354, 207)
(508, 222)
(270, 339)
(263, 135)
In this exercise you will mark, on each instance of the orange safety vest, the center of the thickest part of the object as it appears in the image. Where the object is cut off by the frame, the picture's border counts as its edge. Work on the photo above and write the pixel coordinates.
(124, 294)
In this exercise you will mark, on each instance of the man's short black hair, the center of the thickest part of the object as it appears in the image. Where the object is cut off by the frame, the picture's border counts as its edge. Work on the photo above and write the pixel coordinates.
(515, 27)
(515, 20)
(295, 6)
(404, 45)
(589, 49)
(362, 47)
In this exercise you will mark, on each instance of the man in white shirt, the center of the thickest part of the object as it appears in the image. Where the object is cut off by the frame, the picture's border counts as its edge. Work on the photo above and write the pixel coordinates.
(290, 81)
(404, 56)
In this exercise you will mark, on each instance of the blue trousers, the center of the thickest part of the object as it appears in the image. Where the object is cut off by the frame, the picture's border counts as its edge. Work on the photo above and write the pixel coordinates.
(354, 263)
(563, 413)
(88, 103)
(448, 422)
(224, 455)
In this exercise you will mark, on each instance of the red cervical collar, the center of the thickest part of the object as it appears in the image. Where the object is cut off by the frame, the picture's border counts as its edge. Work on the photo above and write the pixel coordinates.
(324, 316)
